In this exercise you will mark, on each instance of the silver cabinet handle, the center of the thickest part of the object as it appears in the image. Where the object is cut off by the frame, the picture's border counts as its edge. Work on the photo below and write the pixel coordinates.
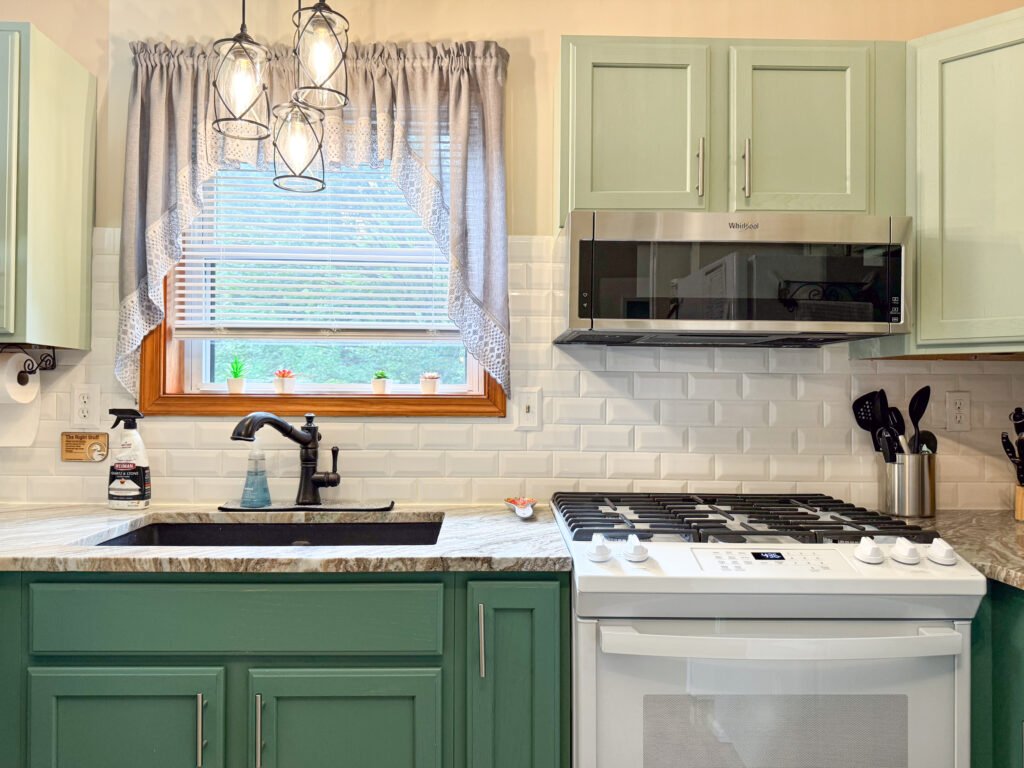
(746, 168)
(199, 731)
(259, 730)
(480, 630)
(700, 168)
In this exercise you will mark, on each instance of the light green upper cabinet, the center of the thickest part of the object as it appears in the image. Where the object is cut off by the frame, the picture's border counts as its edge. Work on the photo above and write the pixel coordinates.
(799, 128)
(47, 146)
(9, 63)
(970, 160)
(639, 123)
(665, 123)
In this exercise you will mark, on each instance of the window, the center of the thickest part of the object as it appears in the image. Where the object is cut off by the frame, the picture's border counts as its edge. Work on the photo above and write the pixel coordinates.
(334, 286)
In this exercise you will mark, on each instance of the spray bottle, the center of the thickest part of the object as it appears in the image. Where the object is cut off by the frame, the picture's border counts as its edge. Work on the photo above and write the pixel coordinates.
(130, 486)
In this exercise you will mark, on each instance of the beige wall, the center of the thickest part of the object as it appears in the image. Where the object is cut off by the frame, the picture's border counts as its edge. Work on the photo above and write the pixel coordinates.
(97, 32)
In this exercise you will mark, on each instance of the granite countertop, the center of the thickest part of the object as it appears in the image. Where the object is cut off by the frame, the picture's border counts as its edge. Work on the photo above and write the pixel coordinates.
(472, 538)
(991, 541)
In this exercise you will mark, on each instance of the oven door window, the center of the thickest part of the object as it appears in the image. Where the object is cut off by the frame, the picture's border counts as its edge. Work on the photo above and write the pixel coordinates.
(669, 712)
(743, 281)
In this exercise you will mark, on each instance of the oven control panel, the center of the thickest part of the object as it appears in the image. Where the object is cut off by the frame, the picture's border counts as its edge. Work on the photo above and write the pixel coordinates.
(772, 561)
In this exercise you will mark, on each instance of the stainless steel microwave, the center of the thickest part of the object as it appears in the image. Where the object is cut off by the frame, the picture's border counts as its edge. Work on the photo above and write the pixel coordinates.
(671, 278)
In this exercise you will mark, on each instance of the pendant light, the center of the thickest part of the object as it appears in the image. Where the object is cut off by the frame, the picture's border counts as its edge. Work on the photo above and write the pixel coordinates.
(298, 147)
(321, 44)
(241, 103)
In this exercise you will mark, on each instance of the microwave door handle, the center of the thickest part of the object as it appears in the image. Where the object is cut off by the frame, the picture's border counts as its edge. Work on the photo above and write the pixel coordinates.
(929, 641)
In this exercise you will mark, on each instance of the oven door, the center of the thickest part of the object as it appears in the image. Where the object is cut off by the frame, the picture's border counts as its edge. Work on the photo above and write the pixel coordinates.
(771, 694)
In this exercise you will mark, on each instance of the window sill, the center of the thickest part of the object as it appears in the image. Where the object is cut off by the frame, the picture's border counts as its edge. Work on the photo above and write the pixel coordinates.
(491, 403)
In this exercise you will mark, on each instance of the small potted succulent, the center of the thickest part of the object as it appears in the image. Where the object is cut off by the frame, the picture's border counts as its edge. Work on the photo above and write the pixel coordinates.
(236, 376)
(429, 382)
(381, 383)
(284, 381)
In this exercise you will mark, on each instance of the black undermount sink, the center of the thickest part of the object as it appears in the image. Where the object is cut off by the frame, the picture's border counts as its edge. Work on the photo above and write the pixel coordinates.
(278, 535)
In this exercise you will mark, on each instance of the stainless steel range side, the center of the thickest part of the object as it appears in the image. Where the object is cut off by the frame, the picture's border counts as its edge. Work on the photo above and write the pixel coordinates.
(765, 631)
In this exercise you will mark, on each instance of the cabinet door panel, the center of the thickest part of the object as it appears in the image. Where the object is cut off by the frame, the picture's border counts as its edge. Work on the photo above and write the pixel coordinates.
(970, 156)
(640, 115)
(513, 693)
(9, 94)
(324, 718)
(802, 115)
(125, 717)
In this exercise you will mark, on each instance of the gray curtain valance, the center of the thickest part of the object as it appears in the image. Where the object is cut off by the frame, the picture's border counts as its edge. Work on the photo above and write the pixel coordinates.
(406, 101)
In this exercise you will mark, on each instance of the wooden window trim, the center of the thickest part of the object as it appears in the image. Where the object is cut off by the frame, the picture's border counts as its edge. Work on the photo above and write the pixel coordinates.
(162, 392)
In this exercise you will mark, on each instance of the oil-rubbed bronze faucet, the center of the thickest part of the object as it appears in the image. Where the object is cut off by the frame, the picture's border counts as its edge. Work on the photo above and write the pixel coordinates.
(308, 438)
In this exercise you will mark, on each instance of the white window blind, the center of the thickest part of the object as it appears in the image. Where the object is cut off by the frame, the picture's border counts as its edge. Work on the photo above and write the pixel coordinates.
(353, 261)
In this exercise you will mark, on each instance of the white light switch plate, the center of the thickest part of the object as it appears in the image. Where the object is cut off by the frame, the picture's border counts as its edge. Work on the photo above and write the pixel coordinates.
(526, 403)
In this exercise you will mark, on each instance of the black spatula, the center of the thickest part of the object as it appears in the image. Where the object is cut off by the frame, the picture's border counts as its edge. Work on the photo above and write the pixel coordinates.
(918, 405)
(864, 413)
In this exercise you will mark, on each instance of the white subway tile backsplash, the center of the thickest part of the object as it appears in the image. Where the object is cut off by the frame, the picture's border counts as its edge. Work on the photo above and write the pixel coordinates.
(716, 439)
(632, 358)
(688, 466)
(628, 411)
(608, 438)
(712, 386)
(681, 359)
(634, 465)
(617, 418)
(730, 413)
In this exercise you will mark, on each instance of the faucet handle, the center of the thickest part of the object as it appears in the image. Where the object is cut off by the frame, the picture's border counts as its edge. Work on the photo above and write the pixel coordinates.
(334, 459)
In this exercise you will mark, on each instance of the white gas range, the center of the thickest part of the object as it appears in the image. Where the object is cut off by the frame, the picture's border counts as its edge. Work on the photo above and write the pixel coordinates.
(765, 631)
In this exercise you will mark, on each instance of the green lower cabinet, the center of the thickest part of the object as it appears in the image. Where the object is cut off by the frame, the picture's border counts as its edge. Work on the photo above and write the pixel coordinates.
(513, 675)
(123, 717)
(327, 718)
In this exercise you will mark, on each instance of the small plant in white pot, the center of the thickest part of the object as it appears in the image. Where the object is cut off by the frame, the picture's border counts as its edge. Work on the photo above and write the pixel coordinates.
(381, 383)
(284, 381)
(429, 382)
(236, 376)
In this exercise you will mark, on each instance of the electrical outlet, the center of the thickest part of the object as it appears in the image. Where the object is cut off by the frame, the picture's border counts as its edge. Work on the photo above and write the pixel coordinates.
(526, 401)
(85, 404)
(958, 411)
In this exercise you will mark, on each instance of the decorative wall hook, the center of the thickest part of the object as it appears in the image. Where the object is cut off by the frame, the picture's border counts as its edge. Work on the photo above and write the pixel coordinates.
(47, 360)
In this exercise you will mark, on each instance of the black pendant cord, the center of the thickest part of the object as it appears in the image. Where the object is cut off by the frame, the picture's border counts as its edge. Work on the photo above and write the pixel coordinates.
(243, 30)
(47, 360)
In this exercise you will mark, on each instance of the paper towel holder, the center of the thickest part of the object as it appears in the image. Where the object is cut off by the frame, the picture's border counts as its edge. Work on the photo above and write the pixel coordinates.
(47, 360)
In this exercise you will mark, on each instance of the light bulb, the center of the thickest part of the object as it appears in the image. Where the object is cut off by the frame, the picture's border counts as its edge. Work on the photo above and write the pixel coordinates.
(297, 145)
(241, 85)
(321, 51)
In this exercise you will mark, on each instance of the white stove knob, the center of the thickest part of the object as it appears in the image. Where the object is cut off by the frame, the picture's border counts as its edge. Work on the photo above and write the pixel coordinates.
(940, 552)
(599, 551)
(869, 552)
(635, 552)
(904, 551)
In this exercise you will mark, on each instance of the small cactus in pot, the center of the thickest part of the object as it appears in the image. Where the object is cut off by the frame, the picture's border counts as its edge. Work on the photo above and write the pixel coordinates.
(381, 383)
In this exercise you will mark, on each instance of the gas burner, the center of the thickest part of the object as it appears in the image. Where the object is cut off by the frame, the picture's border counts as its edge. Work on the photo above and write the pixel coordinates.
(728, 518)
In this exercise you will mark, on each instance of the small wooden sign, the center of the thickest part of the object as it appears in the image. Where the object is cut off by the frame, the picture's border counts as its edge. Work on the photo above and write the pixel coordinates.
(84, 446)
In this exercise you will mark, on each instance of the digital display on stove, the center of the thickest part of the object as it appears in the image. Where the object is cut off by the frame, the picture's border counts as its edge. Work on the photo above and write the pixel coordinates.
(767, 556)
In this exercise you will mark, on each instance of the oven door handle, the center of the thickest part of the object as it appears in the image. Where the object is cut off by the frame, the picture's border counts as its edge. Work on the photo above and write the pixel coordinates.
(929, 641)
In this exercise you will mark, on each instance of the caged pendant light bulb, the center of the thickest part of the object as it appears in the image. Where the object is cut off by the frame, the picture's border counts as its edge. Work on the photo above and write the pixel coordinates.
(298, 148)
(241, 103)
(321, 45)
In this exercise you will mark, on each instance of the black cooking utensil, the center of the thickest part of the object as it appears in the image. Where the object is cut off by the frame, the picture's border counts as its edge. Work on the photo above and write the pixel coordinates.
(880, 411)
(896, 421)
(888, 444)
(918, 405)
(1009, 450)
(864, 413)
(926, 443)
(1017, 417)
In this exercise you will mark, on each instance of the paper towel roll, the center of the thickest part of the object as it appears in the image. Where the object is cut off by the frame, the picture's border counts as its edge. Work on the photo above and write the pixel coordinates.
(11, 392)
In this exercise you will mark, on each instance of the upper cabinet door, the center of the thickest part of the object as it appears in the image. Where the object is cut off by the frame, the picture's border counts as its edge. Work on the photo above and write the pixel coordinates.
(970, 159)
(799, 125)
(9, 94)
(639, 119)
